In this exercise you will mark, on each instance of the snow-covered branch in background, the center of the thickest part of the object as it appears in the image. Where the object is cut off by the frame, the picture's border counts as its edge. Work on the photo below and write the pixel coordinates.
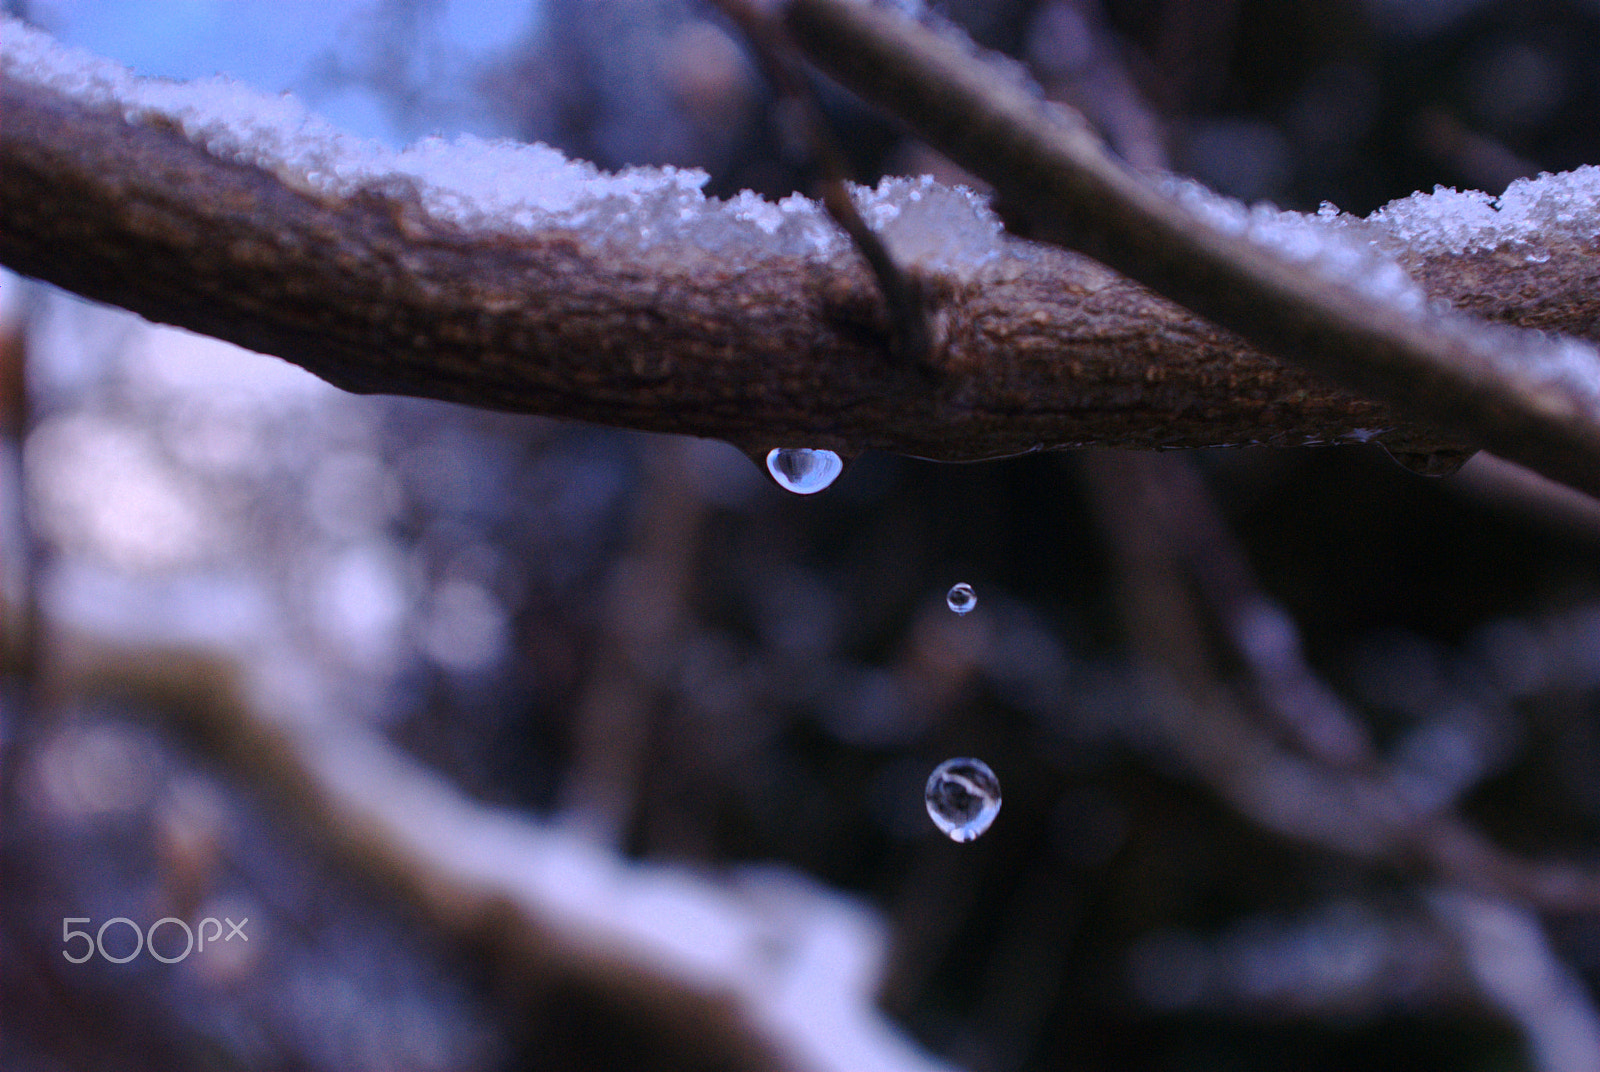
(759, 967)
(506, 276)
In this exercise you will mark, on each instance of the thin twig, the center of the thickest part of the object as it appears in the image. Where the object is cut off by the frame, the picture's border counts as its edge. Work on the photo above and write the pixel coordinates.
(1194, 714)
(911, 336)
(644, 607)
(1508, 954)
(1045, 161)
(1264, 638)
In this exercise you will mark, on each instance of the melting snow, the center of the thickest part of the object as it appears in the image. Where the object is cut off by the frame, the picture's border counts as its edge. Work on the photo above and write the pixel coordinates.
(1530, 215)
(504, 185)
(510, 187)
(1360, 254)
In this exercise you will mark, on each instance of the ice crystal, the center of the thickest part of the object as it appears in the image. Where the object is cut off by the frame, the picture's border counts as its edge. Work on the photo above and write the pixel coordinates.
(1530, 215)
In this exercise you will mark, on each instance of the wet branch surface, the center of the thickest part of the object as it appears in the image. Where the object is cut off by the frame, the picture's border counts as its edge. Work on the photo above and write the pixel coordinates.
(375, 297)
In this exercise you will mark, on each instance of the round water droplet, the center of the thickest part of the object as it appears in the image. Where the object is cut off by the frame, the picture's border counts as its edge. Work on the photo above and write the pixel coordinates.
(1433, 463)
(802, 471)
(961, 598)
(963, 797)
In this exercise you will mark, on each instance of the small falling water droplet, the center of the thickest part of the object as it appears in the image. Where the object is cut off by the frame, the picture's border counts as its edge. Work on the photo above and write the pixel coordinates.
(963, 797)
(1432, 463)
(961, 598)
(802, 471)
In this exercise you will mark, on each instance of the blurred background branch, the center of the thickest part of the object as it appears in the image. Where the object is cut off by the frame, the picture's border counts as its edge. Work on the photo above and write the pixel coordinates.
(754, 968)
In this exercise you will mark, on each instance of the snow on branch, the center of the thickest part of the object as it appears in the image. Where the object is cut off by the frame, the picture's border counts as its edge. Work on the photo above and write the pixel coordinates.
(1291, 290)
(507, 188)
(507, 276)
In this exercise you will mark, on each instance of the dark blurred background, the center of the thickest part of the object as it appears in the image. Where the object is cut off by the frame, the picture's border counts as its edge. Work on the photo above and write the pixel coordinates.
(646, 639)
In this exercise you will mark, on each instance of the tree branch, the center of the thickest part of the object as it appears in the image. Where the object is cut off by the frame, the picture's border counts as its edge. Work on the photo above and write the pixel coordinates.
(375, 292)
(762, 968)
(1052, 169)
(1346, 798)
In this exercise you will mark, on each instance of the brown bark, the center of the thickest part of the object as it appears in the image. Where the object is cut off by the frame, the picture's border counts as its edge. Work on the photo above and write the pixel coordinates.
(1054, 174)
(371, 294)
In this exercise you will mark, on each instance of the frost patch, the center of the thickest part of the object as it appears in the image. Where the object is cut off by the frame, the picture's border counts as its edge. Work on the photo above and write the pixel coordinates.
(1531, 213)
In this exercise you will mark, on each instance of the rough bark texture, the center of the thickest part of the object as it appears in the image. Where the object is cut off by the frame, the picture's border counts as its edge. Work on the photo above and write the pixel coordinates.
(1050, 169)
(372, 295)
